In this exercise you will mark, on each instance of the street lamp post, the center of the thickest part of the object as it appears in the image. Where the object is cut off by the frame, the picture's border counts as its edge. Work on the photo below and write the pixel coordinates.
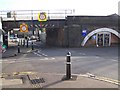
(32, 23)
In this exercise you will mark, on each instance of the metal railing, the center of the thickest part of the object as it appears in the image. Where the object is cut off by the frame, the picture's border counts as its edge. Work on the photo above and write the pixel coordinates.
(28, 14)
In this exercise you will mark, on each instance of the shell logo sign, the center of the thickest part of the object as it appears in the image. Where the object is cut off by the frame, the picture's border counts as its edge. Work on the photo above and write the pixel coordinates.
(23, 27)
(42, 16)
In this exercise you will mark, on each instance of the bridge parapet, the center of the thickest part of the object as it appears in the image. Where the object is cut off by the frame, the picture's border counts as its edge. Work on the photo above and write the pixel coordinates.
(29, 14)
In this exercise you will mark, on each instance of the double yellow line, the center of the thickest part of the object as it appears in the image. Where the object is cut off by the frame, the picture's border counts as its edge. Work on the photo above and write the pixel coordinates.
(113, 81)
(100, 78)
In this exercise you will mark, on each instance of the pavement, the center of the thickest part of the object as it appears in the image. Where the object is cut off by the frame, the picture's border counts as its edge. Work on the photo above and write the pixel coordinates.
(48, 80)
(12, 51)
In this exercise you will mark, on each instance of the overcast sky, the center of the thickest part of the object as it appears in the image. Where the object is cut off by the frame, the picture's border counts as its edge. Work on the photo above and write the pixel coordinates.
(82, 7)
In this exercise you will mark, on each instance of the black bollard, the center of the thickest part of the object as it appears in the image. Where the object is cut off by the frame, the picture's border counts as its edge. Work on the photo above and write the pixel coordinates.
(23, 42)
(32, 46)
(68, 66)
(18, 48)
(27, 43)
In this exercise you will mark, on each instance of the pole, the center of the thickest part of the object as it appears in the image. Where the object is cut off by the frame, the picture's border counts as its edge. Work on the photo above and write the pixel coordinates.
(68, 38)
(27, 43)
(32, 23)
(18, 48)
(32, 46)
(38, 35)
(68, 66)
(23, 42)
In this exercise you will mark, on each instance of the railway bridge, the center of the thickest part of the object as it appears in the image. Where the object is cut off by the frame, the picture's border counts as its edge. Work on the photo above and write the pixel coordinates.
(64, 29)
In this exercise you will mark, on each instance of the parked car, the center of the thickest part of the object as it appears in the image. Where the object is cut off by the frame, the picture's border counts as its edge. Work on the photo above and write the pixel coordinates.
(34, 38)
(14, 39)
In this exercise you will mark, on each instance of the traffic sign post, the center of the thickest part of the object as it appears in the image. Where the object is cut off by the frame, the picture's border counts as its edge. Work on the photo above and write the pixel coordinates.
(23, 42)
(27, 43)
(18, 48)
(32, 46)
(41, 24)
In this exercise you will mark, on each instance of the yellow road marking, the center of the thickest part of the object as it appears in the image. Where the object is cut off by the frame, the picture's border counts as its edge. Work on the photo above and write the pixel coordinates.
(17, 73)
(109, 80)
(117, 82)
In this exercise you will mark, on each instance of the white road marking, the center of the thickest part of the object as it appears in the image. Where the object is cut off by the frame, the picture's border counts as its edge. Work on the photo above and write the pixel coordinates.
(86, 57)
(39, 51)
(40, 54)
(46, 58)
(3, 60)
(37, 54)
(27, 60)
(44, 55)
(52, 58)
(114, 60)
(82, 53)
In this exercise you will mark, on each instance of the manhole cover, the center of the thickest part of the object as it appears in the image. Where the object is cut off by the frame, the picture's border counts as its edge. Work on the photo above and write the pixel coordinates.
(36, 81)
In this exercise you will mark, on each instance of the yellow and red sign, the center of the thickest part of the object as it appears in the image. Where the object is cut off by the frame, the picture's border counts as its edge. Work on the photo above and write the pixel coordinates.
(42, 16)
(23, 27)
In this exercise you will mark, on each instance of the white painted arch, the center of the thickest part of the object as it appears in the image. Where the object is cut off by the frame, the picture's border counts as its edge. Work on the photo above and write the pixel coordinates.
(98, 31)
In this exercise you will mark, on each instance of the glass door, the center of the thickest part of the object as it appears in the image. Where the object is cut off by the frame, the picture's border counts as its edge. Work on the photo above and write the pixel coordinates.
(103, 39)
(99, 40)
(107, 39)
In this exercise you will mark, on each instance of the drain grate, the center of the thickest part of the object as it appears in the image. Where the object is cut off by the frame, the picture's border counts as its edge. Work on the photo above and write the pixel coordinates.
(37, 81)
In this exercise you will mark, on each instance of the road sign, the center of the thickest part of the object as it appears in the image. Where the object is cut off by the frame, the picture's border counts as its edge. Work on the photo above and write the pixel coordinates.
(84, 32)
(23, 27)
(42, 16)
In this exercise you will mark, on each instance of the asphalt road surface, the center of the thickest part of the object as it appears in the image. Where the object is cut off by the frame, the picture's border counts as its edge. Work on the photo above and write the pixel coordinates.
(102, 61)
